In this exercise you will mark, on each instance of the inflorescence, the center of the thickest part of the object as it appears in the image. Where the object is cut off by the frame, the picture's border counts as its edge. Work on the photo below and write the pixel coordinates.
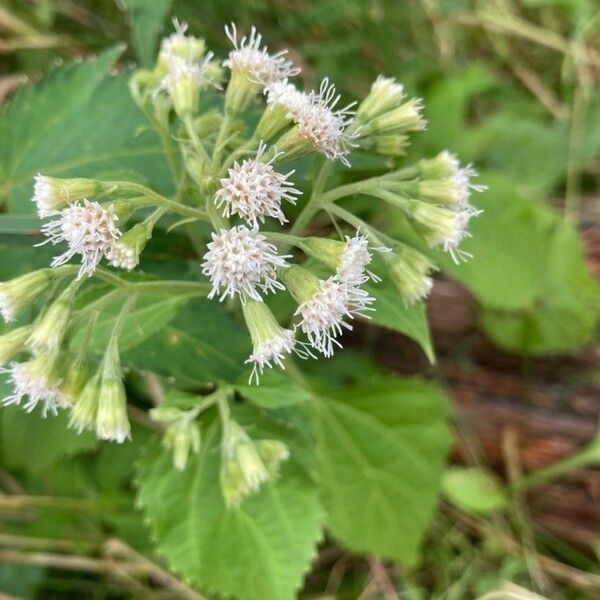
(236, 181)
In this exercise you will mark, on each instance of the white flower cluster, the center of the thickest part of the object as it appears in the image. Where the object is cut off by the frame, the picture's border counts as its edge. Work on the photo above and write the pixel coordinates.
(89, 229)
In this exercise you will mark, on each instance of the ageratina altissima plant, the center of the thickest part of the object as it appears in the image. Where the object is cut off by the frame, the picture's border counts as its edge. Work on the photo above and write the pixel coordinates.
(237, 180)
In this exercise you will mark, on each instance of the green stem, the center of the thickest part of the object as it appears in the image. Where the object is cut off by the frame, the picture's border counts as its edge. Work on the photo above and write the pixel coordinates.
(156, 198)
(244, 149)
(314, 202)
(590, 455)
(188, 123)
(356, 222)
(220, 143)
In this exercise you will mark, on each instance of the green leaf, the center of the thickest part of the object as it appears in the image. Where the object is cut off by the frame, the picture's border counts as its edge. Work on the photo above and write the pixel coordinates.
(149, 315)
(76, 122)
(566, 312)
(203, 343)
(146, 22)
(380, 453)
(276, 389)
(473, 489)
(256, 551)
(391, 312)
(28, 441)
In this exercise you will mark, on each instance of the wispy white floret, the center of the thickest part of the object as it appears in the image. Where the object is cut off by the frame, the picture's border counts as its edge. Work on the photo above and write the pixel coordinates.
(124, 257)
(182, 45)
(354, 261)
(249, 55)
(272, 352)
(33, 382)
(325, 315)
(89, 229)
(323, 125)
(185, 70)
(254, 190)
(285, 93)
(241, 261)
(44, 196)
(452, 242)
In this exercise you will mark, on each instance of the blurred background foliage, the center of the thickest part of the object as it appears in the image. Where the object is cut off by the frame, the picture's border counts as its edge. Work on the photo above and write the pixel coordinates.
(510, 86)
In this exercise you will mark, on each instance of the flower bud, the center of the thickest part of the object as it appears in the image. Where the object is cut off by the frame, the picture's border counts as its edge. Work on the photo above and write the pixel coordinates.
(392, 145)
(405, 118)
(186, 47)
(273, 453)
(112, 422)
(292, 145)
(386, 94)
(274, 118)
(17, 293)
(243, 469)
(240, 91)
(37, 380)
(409, 271)
(437, 224)
(13, 342)
(51, 194)
(271, 343)
(74, 381)
(49, 330)
(182, 437)
(441, 166)
(85, 407)
(301, 283)
(125, 254)
(208, 123)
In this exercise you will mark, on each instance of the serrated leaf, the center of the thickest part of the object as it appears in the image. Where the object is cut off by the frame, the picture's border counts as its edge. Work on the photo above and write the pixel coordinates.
(28, 441)
(203, 343)
(75, 122)
(380, 453)
(146, 22)
(259, 550)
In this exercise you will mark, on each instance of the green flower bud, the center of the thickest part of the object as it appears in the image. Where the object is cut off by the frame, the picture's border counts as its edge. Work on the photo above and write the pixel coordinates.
(125, 253)
(112, 422)
(243, 469)
(74, 381)
(13, 342)
(409, 271)
(404, 119)
(49, 330)
(386, 94)
(182, 437)
(17, 293)
(301, 283)
(392, 145)
(85, 408)
(51, 194)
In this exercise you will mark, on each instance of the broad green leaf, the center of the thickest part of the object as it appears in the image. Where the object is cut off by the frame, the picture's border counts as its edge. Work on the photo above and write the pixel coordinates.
(150, 314)
(380, 453)
(259, 550)
(203, 343)
(473, 489)
(146, 23)
(28, 441)
(391, 312)
(76, 122)
(275, 389)
(566, 312)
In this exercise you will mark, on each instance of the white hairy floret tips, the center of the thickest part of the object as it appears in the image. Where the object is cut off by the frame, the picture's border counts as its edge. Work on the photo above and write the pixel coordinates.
(240, 261)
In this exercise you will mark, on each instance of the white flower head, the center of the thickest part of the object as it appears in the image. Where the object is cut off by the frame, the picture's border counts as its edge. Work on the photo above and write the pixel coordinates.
(182, 45)
(34, 380)
(254, 190)
(271, 352)
(325, 315)
(123, 256)
(250, 56)
(89, 229)
(285, 93)
(322, 125)
(44, 195)
(354, 261)
(241, 261)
